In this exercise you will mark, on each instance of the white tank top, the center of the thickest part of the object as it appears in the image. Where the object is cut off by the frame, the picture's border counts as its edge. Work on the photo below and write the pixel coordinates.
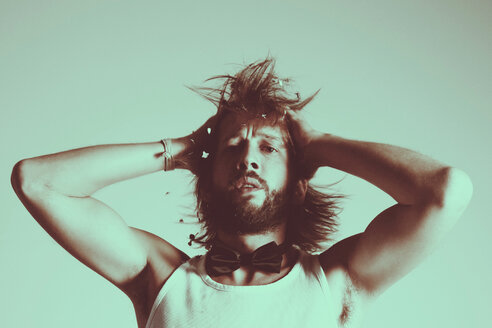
(191, 299)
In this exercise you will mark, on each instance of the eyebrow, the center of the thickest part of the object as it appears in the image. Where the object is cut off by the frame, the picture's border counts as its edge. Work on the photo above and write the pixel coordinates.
(272, 137)
(282, 142)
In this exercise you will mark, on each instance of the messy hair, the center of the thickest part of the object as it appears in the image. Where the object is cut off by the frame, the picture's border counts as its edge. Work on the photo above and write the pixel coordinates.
(258, 91)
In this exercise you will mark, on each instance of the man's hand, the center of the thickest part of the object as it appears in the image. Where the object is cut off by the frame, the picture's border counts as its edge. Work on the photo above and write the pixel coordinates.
(195, 146)
(305, 140)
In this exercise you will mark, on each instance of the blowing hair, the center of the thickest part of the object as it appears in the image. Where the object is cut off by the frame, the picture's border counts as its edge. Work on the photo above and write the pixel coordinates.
(258, 91)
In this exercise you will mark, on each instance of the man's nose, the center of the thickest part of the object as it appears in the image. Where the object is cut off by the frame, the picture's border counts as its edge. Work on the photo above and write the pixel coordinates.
(248, 159)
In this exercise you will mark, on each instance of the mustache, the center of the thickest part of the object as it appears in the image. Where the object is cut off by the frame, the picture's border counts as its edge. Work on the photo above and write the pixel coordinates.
(250, 174)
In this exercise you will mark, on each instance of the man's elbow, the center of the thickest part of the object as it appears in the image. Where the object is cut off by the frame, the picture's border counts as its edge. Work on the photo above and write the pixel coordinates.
(16, 178)
(457, 191)
(23, 182)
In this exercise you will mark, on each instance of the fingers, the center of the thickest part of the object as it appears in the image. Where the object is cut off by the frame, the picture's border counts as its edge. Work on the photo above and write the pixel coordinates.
(303, 136)
(200, 145)
(298, 128)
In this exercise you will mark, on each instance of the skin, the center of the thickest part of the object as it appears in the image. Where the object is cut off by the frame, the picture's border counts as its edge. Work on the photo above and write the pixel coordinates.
(430, 197)
(250, 145)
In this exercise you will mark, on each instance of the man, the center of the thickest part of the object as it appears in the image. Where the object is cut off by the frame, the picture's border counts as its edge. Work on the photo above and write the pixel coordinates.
(262, 219)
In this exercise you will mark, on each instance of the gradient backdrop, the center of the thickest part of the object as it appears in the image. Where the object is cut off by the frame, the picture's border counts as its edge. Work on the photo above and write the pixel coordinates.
(76, 73)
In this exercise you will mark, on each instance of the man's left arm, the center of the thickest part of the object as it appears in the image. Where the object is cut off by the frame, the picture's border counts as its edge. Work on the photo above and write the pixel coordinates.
(430, 197)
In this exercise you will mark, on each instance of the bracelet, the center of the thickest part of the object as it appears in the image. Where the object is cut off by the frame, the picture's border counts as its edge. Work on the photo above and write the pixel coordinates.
(169, 163)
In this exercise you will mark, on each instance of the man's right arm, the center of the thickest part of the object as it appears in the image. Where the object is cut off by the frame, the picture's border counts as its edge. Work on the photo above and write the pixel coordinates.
(57, 190)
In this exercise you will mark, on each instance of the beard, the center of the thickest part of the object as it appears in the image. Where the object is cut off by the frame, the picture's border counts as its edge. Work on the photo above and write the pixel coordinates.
(240, 217)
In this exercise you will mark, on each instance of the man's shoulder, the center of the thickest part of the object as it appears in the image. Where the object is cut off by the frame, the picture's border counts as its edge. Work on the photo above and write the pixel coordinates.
(338, 254)
(162, 260)
(334, 262)
(159, 250)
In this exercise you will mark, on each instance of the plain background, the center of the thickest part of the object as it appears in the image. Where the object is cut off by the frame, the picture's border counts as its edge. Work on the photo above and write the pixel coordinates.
(77, 73)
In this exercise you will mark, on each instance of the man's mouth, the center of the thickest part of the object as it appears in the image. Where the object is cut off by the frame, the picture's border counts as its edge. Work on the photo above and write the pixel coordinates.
(247, 184)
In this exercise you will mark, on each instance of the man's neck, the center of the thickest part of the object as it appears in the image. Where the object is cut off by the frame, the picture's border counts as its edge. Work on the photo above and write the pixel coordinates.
(245, 244)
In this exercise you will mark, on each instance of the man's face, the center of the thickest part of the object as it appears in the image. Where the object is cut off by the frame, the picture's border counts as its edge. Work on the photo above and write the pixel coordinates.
(250, 172)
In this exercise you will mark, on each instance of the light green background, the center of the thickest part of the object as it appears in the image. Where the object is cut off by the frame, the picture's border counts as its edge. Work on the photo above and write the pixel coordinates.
(75, 73)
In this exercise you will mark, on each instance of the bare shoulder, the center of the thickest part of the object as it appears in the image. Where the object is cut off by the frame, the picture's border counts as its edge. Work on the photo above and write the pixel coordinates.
(161, 254)
(162, 260)
(350, 300)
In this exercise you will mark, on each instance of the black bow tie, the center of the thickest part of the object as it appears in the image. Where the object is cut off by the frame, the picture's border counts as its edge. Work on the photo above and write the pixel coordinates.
(222, 259)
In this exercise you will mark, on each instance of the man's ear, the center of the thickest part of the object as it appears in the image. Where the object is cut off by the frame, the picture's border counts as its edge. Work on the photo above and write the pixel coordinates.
(300, 191)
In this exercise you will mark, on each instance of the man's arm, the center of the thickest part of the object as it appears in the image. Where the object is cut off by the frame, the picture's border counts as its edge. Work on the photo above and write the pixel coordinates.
(430, 198)
(57, 190)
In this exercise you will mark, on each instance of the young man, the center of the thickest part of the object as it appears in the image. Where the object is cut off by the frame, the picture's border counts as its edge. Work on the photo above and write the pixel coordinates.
(262, 219)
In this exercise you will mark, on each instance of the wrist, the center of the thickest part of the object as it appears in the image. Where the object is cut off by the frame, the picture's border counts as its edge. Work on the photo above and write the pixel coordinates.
(172, 150)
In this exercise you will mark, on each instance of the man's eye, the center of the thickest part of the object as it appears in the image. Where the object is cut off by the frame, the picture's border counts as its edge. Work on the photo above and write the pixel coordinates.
(268, 149)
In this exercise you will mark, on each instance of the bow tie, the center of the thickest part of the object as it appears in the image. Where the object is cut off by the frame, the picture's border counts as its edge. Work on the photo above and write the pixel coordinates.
(222, 259)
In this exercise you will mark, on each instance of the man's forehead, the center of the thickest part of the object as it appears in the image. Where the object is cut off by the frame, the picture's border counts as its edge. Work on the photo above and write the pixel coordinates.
(235, 124)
